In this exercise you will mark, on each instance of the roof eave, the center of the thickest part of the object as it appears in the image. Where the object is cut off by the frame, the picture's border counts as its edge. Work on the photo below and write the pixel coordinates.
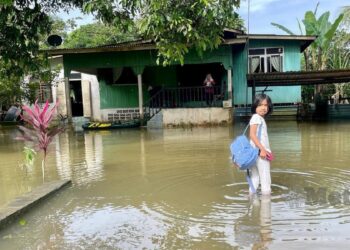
(305, 41)
(142, 46)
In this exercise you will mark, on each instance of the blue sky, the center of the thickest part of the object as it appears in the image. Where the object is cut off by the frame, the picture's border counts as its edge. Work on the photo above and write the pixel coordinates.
(263, 12)
(284, 12)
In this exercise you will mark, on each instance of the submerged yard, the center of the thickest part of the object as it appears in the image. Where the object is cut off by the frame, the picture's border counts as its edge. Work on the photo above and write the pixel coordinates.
(176, 189)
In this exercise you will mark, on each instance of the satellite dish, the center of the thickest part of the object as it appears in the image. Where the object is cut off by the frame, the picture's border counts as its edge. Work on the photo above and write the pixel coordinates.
(54, 40)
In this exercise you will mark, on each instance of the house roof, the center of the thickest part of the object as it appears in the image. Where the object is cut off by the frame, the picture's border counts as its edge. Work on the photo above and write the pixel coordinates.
(305, 41)
(230, 36)
(124, 46)
(298, 78)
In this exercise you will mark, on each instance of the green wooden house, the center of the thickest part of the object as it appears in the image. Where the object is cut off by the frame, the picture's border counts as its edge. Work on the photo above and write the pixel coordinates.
(123, 81)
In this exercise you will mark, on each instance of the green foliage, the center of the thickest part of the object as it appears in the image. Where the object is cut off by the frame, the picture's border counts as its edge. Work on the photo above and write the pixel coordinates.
(58, 27)
(175, 26)
(325, 31)
(23, 27)
(15, 88)
(339, 57)
(29, 155)
(97, 34)
(345, 24)
(322, 54)
(322, 28)
(339, 52)
(283, 28)
(307, 93)
(22, 222)
(316, 55)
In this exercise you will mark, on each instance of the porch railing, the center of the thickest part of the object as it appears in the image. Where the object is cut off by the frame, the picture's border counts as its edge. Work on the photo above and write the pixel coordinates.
(184, 97)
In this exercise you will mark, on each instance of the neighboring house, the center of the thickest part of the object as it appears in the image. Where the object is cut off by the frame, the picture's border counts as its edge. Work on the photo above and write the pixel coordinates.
(123, 81)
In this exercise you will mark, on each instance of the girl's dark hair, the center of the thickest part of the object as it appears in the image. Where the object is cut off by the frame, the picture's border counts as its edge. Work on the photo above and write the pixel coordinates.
(258, 100)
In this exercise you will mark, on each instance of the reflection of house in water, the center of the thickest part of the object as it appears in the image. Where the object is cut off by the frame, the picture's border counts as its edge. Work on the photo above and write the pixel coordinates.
(84, 163)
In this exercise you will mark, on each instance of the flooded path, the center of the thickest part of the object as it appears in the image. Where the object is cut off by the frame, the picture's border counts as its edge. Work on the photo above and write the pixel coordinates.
(176, 189)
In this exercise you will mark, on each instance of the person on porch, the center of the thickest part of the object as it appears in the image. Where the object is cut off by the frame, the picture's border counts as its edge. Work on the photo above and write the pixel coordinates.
(209, 89)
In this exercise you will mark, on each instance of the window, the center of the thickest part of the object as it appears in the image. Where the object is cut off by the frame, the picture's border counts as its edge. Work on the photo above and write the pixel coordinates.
(264, 60)
(124, 75)
(44, 93)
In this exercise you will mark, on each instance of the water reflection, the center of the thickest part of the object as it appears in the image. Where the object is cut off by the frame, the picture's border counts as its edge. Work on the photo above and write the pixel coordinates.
(83, 166)
(254, 229)
(176, 189)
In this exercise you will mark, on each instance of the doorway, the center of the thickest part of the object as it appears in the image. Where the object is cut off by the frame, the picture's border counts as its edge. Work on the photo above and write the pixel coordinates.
(76, 98)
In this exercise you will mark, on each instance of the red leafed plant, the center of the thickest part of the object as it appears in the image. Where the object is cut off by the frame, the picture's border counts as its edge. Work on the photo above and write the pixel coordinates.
(40, 131)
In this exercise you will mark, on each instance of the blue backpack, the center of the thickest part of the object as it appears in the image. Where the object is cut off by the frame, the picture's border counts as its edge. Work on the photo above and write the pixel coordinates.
(244, 155)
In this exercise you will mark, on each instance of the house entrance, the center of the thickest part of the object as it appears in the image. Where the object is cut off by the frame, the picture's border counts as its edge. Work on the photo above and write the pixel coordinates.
(76, 98)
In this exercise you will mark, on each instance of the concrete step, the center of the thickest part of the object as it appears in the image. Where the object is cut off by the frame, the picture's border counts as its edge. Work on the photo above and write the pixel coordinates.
(23, 203)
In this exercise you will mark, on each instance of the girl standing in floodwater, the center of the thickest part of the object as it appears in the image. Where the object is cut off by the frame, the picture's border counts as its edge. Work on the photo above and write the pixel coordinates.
(260, 173)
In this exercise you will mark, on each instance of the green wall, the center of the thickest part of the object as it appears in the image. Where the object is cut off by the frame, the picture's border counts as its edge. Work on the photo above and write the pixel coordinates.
(118, 96)
(124, 96)
(142, 61)
(160, 76)
(291, 62)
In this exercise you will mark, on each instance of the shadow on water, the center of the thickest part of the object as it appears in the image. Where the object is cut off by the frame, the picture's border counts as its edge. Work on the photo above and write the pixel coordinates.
(176, 189)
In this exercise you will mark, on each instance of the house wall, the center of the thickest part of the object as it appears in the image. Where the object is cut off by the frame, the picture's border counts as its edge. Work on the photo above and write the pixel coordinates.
(196, 117)
(291, 62)
(114, 96)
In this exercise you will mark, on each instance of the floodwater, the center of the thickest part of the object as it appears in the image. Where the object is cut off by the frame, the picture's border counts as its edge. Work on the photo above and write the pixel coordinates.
(176, 189)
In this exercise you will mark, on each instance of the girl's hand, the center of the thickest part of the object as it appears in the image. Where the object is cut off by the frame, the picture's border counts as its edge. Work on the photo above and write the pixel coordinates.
(266, 155)
(263, 153)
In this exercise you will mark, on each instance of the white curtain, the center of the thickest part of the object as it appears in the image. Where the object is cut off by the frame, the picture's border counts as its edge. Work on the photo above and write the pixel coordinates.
(117, 72)
(254, 63)
(276, 62)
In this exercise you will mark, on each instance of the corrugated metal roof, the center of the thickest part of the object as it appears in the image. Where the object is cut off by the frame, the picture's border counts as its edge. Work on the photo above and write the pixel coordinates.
(298, 78)
(237, 37)
(124, 46)
(304, 40)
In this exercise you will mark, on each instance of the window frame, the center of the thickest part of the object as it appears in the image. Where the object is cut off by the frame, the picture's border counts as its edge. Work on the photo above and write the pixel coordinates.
(264, 57)
(44, 90)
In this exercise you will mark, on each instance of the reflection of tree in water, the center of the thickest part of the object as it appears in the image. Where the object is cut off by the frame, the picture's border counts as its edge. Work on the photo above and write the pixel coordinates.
(254, 228)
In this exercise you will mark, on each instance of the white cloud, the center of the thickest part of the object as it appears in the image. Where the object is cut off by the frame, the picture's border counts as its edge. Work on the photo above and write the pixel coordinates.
(257, 5)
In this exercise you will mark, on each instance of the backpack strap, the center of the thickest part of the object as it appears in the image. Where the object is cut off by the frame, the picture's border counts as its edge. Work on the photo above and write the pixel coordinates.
(245, 130)
(249, 180)
(259, 131)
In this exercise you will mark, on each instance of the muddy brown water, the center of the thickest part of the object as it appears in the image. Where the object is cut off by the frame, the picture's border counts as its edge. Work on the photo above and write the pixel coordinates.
(176, 189)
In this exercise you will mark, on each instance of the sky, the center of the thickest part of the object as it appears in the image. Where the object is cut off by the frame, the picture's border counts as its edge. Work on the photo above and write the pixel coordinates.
(263, 13)
(285, 12)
